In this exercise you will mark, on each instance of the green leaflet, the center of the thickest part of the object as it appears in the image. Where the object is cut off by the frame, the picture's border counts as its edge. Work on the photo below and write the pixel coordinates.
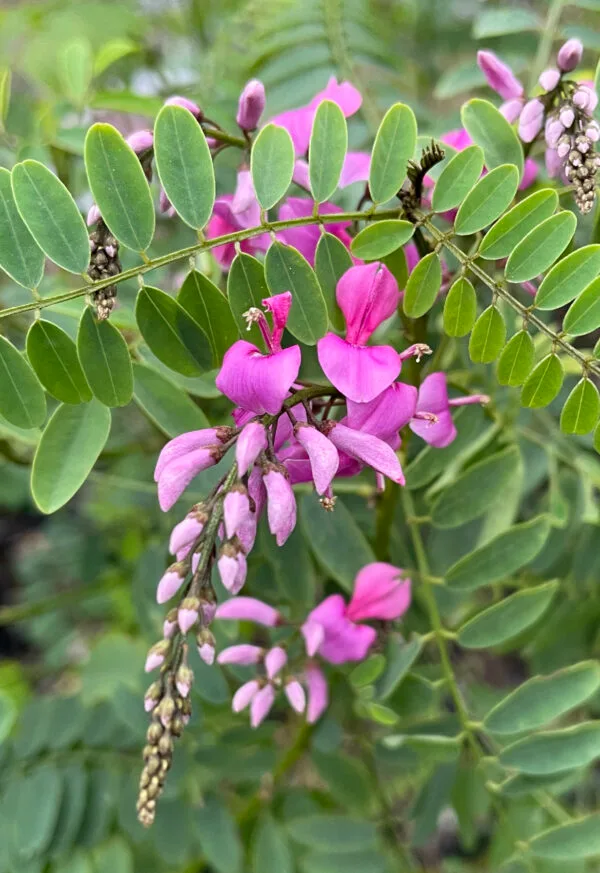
(22, 398)
(457, 178)
(544, 383)
(76, 69)
(507, 619)
(174, 337)
(554, 751)
(489, 129)
(394, 146)
(399, 657)
(516, 360)
(333, 833)
(423, 286)
(271, 852)
(460, 308)
(488, 336)
(332, 259)
(246, 287)
(272, 164)
(581, 410)
(105, 360)
(20, 255)
(567, 279)
(509, 230)
(327, 150)
(584, 314)
(541, 247)
(36, 812)
(219, 837)
(208, 306)
(566, 842)
(381, 238)
(53, 355)
(487, 200)
(287, 270)
(167, 405)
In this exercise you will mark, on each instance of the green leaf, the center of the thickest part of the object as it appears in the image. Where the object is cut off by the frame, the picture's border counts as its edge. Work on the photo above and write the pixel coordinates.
(543, 698)
(76, 69)
(105, 360)
(51, 215)
(502, 238)
(367, 671)
(111, 52)
(246, 287)
(488, 336)
(457, 179)
(53, 355)
(487, 200)
(332, 259)
(554, 751)
(544, 383)
(72, 808)
(174, 337)
(581, 410)
(435, 747)
(209, 308)
(584, 314)
(219, 837)
(327, 150)
(37, 810)
(22, 399)
(381, 238)
(287, 270)
(5, 88)
(270, 847)
(336, 539)
(344, 862)
(597, 438)
(541, 247)
(423, 286)
(475, 490)
(119, 187)
(516, 360)
(20, 255)
(567, 279)
(333, 833)
(115, 856)
(505, 620)
(399, 656)
(566, 842)
(272, 164)
(394, 146)
(501, 556)
(489, 129)
(497, 22)
(347, 778)
(168, 406)
(69, 448)
(460, 308)
(184, 164)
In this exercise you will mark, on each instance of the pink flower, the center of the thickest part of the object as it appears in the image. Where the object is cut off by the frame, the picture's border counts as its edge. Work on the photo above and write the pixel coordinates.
(318, 694)
(185, 103)
(275, 661)
(183, 458)
(569, 55)
(243, 654)
(251, 105)
(236, 212)
(532, 119)
(380, 591)
(261, 704)
(368, 450)
(140, 141)
(306, 238)
(184, 535)
(250, 443)
(244, 695)
(499, 76)
(433, 398)
(323, 455)
(356, 168)
(233, 568)
(236, 508)
(295, 695)
(549, 79)
(281, 503)
(170, 583)
(386, 414)
(248, 609)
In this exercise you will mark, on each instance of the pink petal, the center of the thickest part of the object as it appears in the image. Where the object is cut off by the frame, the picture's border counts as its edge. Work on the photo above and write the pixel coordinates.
(261, 704)
(314, 634)
(356, 168)
(248, 609)
(359, 372)
(298, 123)
(433, 394)
(244, 654)
(499, 76)
(295, 695)
(244, 695)
(324, 459)
(367, 295)
(381, 592)
(183, 445)
(245, 206)
(250, 443)
(275, 661)
(305, 239)
(185, 103)
(236, 508)
(386, 414)
(169, 585)
(279, 306)
(258, 382)
(511, 109)
(140, 141)
(347, 97)
(530, 172)
(301, 175)
(178, 474)
(369, 450)
(569, 55)
(458, 139)
(281, 505)
(439, 434)
(318, 693)
(185, 533)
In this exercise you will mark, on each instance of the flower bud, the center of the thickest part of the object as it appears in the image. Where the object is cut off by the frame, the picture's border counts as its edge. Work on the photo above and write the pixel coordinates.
(549, 79)
(233, 567)
(553, 132)
(275, 660)
(566, 116)
(140, 141)
(166, 710)
(152, 696)
(295, 695)
(184, 680)
(281, 503)
(93, 215)
(156, 655)
(569, 55)
(236, 508)
(261, 704)
(170, 583)
(250, 443)
(188, 613)
(206, 646)
(185, 104)
(531, 120)
(248, 609)
(499, 76)
(244, 654)
(170, 624)
(244, 695)
(251, 105)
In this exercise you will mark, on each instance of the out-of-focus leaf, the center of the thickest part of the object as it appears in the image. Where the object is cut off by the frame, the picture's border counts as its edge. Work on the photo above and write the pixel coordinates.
(581, 410)
(209, 308)
(219, 837)
(516, 359)
(499, 21)
(423, 286)
(460, 308)
(394, 146)
(565, 842)
(22, 399)
(332, 259)
(507, 619)
(272, 164)
(172, 335)
(488, 336)
(381, 238)
(53, 355)
(37, 810)
(5, 88)
(541, 247)
(72, 808)
(567, 279)
(327, 150)
(544, 383)
(490, 130)
(502, 238)
(270, 848)
(111, 52)
(105, 360)
(167, 405)
(400, 656)
(75, 69)
(553, 751)
(333, 833)
(487, 199)
(287, 270)
(457, 179)
(20, 255)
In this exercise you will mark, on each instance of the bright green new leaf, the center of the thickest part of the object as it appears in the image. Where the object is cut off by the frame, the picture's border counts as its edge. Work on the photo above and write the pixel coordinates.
(457, 179)
(582, 408)
(20, 255)
(543, 698)
(489, 129)
(381, 238)
(554, 751)
(167, 405)
(502, 238)
(327, 150)
(399, 657)
(105, 360)
(209, 308)
(271, 852)
(272, 164)
(541, 247)
(567, 842)
(51, 215)
(37, 810)
(246, 287)
(516, 360)
(544, 383)
(76, 69)
(69, 448)
(22, 398)
(567, 279)
(332, 259)
(219, 837)
(333, 833)
(488, 336)
(175, 338)
(287, 270)
(53, 355)
(584, 314)
(460, 308)
(394, 146)
(119, 187)
(423, 286)
(112, 51)
(184, 164)
(506, 620)
(487, 200)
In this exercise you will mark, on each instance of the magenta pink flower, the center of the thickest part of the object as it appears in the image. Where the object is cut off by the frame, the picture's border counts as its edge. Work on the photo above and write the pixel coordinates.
(318, 693)
(433, 398)
(356, 168)
(244, 654)
(380, 591)
(386, 414)
(261, 704)
(367, 449)
(306, 238)
(248, 609)
(569, 55)
(281, 503)
(323, 456)
(251, 105)
(236, 212)
(499, 76)
(250, 443)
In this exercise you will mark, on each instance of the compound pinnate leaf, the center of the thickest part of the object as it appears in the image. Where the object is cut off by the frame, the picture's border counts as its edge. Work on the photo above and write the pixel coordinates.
(167, 405)
(51, 215)
(568, 842)
(487, 200)
(37, 810)
(246, 287)
(53, 355)
(541, 247)
(327, 150)
(20, 255)
(69, 448)
(184, 164)
(488, 336)
(460, 308)
(105, 360)
(509, 230)
(119, 187)
(584, 314)
(208, 306)
(581, 410)
(287, 270)
(457, 178)
(516, 360)
(332, 259)
(423, 286)
(381, 238)
(171, 334)
(490, 130)
(22, 398)
(544, 383)
(394, 146)
(554, 751)
(568, 278)
(272, 164)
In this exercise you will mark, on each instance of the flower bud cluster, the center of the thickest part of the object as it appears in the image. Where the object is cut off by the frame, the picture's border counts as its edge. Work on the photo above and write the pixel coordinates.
(104, 263)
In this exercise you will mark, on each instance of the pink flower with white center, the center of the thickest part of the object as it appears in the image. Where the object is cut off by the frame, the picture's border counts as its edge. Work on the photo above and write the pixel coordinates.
(281, 503)
(433, 398)
(499, 76)
(318, 693)
(306, 238)
(322, 454)
(184, 457)
(261, 382)
(233, 212)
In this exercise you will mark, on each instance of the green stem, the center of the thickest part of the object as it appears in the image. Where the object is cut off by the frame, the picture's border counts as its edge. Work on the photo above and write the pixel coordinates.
(545, 44)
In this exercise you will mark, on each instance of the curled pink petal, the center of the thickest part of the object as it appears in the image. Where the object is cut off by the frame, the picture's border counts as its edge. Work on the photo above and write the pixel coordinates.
(261, 704)
(244, 654)
(244, 695)
(359, 372)
(323, 455)
(367, 295)
(386, 414)
(279, 305)
(318, 693)
(236, 508)
(178, 474)
(189, 442)
(258, 382)
(381, 592)
(281, 505)
(295, 695)
(275, 661)
(368, 450)
(248, 609)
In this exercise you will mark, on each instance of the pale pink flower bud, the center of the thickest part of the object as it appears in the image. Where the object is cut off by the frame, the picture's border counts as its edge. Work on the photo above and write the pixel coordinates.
(244, 695)
(281, 504)
(248, 609)
(206, 646)
(233, 568)
(499, 76)
(165, 205)
(244, 654)
(152, 696)
(156, 655)
(169, 628)
(549, 79)
(511, 109)
(184, 680)
(275, 660)
(323, 455)
(236, 509)
(170, 583)
(553, 167)
(110, 251)
(140, 141)
(250, 443)
(261, 704)
(531, 120)
(251, 105)
(188, 613)
(563, 148)
(185, 104)
(593, 132)
(318, 693)
(93, 215)
(569, 55)
(295, 695)
(553, 132)
(185, 533)
(566, 116)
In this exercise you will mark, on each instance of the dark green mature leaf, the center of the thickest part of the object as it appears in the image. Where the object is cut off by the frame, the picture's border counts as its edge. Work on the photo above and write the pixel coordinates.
(209, 308)
(475, 490)
(540, 247)
(333, 833)
(184, 164)
(287, 270)
(423, 286)
(105, 360)
(394, 146)
(399, 656)
(567, 279)
(37, 810)
(505, 620)
(272, 164)
(51, 215)
(544, 383)
(347, 778)
(487, 199)
(114, 856)
(457, 179)
(332, 259)
(271, 852)
(565, 842)
(246, 287)
(72, 808)
(119, 187)
(219, 837)
(460, 308)
(167, 405)
(381, 238)
(501, 556)
(174, 337)
(22, 399)
(582, 408)
(543, 698)
(327, 150)
(502, 238)
(516, 359)
(345, 862)
(489, 129)
(554, 751)
(488, 336)
(67, 451)
(584, 314)
(53, 355)
(20, 255)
